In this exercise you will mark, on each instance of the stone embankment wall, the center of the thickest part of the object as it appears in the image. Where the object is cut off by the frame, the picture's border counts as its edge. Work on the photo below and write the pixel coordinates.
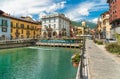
(7, 45)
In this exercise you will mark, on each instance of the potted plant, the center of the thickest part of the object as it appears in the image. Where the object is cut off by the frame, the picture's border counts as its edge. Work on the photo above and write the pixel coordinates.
(80, 45)
(75, 59)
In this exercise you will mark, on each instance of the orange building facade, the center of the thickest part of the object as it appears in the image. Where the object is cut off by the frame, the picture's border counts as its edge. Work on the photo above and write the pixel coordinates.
(114, 10)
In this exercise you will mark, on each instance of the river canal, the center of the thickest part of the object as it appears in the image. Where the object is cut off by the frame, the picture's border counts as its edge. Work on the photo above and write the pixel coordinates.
(37, 63)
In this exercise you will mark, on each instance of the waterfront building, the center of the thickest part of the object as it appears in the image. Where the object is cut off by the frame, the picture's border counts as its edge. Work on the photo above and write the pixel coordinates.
(55, 25)
(106, 25)
(80, 30)
(23, 27)
(4, 27)
(71, 31)
(98, 29)
(114, 11)
(77, 31)
(103, 26)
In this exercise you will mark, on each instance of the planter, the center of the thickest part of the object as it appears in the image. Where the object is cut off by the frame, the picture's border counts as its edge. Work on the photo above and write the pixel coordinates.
(75, 59)
(75, 64)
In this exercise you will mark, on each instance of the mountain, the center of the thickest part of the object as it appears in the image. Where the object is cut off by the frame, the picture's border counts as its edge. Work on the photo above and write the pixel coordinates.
(88, 23)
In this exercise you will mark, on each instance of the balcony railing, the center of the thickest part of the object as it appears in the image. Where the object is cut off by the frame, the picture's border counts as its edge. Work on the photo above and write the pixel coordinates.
(17, 33)
(28, 33)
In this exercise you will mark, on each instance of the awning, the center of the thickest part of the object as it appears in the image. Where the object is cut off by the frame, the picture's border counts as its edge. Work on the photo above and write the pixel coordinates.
(39, 27)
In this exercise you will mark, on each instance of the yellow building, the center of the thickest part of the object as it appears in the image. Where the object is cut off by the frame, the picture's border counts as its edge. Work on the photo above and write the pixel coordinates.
(79, 30)
(103, 26)
(24, 27)
(106, 24)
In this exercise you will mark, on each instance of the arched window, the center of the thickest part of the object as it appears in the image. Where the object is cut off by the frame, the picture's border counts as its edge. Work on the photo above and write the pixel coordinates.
(54, 33)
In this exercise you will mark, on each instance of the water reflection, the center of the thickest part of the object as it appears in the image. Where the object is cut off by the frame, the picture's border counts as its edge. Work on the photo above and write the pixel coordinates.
(36, 63)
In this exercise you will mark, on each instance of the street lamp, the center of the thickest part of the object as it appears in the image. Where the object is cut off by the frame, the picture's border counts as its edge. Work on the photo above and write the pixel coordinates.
(83, 25)
(82, 50)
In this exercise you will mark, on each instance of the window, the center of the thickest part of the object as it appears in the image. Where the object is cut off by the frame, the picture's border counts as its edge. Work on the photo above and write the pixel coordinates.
(63, 26)
(4, 23)
(4, 29)
(21, 36)
(16, 24)
(54, 19)
(22, 25)
(34, 32)
(32, 27)
(114, 0)
(11, 24)
(60, 20)
(59, 26)
(54, 26)
(17, 30)
(22, 31)
(45, 26)
(44, 21)
(49, 25)
(27, 26)
(49, 20)
(11, 31)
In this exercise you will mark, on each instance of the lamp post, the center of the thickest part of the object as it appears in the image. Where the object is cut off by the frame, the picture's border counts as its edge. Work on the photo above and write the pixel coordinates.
(83, 25)
(82, 51)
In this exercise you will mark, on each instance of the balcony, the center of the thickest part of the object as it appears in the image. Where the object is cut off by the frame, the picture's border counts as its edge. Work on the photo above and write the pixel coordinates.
(18, 27)
(49, 29)
(31, 28)
(28, 33)
(17, 33)
(106, 18)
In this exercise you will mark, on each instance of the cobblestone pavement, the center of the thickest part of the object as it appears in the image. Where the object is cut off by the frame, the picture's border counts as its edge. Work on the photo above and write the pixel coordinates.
(101, 64)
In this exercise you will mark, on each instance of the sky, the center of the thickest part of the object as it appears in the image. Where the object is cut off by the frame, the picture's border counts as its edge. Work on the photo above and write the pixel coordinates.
(76, 10)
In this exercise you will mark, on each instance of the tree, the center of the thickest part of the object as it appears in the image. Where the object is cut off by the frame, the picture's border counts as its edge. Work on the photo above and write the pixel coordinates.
(117, 36)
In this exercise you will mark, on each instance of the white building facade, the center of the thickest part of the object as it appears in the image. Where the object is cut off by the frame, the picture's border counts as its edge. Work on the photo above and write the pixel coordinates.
(55, 26)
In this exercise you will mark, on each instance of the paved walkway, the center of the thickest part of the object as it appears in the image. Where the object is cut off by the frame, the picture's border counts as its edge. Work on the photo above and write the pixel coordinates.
(101, 64)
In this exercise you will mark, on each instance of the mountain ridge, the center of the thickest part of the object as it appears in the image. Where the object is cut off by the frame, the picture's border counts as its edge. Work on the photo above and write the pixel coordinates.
(88, 24)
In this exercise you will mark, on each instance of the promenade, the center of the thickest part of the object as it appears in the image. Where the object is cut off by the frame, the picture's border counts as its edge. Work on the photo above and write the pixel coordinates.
(102, 65)
(58, 45)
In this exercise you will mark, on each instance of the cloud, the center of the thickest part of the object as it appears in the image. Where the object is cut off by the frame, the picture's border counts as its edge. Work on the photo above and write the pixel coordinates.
(30, 16)
(18, 7)
(55, 7)
(83, 10)
(24, 7)
(77, 12)
(94, 20)
(42, 14)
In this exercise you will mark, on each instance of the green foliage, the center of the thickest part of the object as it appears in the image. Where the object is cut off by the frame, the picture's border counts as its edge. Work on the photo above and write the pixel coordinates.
(113, 48)
(99, 42)
(74, 23)
(80, 45)
(95, 41)
(76, 58)
(117, 36)
(89, 24)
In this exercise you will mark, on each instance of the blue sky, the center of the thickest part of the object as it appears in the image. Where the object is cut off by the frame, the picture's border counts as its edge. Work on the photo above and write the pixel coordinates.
(74, 9)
